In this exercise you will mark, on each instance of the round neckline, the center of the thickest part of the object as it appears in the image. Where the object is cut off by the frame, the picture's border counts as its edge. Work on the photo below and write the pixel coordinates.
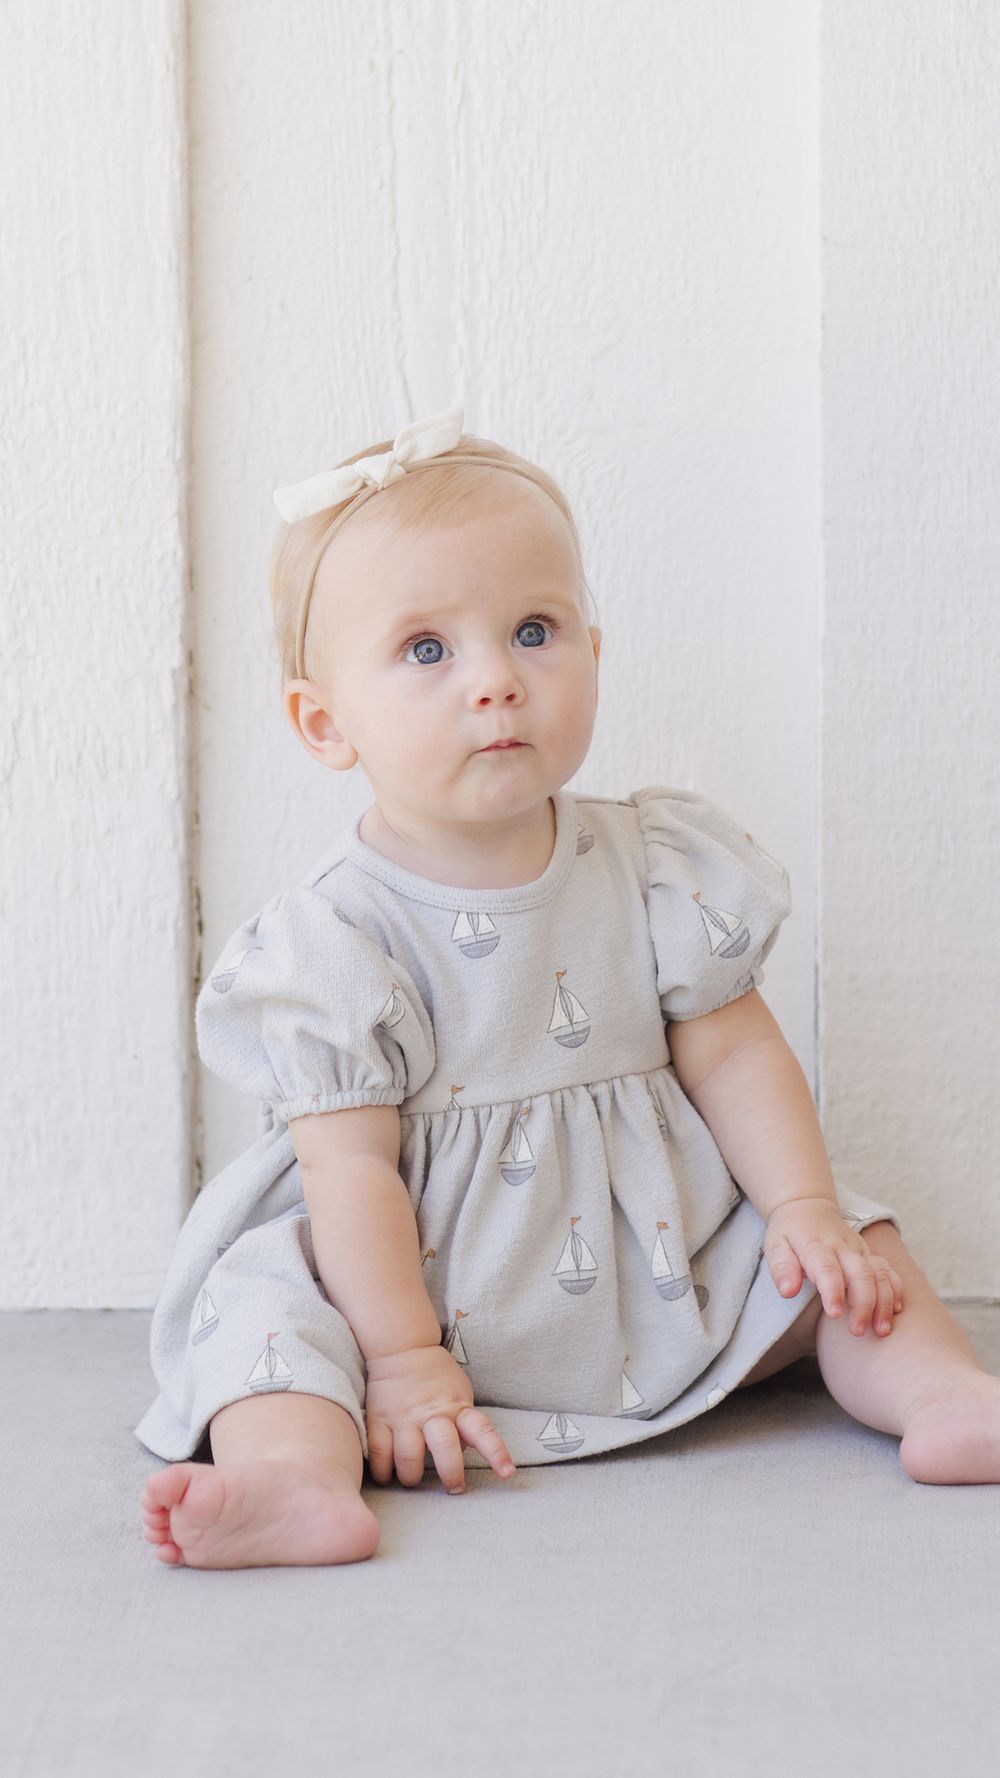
(449, 895)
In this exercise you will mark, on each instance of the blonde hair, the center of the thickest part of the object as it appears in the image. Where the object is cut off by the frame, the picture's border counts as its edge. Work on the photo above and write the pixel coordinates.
(428, 491)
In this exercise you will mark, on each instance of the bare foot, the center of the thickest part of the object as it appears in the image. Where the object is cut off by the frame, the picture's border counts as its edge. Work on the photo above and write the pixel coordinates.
(955, 1437)
(268, 1513)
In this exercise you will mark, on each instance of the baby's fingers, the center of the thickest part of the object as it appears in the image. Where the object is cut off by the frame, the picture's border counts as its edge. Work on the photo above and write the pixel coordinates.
(409, 1451)
(888, 1292)
(477, 1432)
(445, 1447)
(380, 1451)
(863, 1274)
(784, 1267)
(824, 1268)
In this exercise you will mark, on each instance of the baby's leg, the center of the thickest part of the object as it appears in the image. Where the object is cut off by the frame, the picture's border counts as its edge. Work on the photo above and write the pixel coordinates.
(922, 1382)
(284, 1490)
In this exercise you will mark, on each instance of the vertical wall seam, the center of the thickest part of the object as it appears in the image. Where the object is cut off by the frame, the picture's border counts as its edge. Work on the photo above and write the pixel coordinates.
(820, 732)
(392, 188)
(193, 960)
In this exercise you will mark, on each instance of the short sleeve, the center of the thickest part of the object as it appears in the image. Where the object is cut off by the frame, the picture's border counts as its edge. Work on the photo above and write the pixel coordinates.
(715, 900)
(306, 1013)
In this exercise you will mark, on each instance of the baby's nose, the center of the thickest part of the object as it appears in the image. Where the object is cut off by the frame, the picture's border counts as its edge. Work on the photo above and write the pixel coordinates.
(494, 681)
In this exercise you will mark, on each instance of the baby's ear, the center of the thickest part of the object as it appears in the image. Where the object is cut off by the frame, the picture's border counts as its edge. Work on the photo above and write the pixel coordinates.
(316, 727)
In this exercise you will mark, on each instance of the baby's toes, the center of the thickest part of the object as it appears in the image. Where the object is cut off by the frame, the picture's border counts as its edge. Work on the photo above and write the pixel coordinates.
(166, 1488)
(156, 1525)
(168, 1552)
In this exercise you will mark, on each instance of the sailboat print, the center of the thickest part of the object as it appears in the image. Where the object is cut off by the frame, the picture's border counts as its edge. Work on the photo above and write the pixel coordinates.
(584, 840)
(726, 932)
(631, 1399)
(475, 935)
(665, 1278)
(517, 1163)
(577, 1267)
(430, 1254)
(270, 1372)
(224, 977)
(453, 1104)
(570, 1023)
(392, 1011)
(714, 1397)
(560, 1436)
(453, 1341)
(206, 1319)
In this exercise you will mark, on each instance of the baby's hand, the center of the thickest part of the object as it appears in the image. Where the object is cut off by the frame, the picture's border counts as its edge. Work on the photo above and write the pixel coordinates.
(421, 1401)
(808, 1237)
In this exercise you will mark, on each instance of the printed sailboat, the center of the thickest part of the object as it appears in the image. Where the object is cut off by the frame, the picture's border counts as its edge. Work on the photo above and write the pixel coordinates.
(560, 1436)
(475, 935)
(727, 935)
(454, 1343)
(517, 1163)
(665, 1278)
(570, 1022)
(206, 1319)
(270, 1372)
(631, 1399)
(392, 1011)
(584, 840)
(577, 1267)
(224, 978)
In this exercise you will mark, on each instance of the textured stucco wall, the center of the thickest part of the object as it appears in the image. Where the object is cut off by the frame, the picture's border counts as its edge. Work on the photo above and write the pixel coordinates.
(597, 225)
(911, 740)
(93, 1046)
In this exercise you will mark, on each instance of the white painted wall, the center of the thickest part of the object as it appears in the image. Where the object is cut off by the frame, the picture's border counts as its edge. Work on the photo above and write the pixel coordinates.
(92, 880)
(911, 754)
(597, 226)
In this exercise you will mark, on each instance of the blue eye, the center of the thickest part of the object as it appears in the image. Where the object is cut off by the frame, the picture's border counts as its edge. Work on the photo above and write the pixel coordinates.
(532, 634)
(427, 652)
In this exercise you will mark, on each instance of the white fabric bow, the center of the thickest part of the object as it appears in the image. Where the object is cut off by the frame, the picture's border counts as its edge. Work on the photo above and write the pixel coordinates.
(417, 442)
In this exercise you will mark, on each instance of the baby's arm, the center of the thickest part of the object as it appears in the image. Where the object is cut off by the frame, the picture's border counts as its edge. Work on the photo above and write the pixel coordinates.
(368, 1256)
(740, 1074)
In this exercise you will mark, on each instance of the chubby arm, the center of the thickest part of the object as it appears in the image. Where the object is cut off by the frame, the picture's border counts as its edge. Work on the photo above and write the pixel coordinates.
(741, 1076)
(363, 1228)
(368, 1257)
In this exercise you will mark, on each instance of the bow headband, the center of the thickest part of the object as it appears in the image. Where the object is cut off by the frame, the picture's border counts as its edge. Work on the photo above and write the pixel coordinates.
(415, 444)
(418, 444)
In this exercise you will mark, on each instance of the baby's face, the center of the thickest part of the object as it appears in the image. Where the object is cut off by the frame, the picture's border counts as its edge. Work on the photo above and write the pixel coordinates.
(456, 662)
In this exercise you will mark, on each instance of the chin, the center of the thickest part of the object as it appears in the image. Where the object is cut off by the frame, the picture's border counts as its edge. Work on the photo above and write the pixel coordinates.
(506, 803)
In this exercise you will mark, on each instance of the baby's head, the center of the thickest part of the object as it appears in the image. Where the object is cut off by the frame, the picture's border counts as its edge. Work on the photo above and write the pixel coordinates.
(437, 629)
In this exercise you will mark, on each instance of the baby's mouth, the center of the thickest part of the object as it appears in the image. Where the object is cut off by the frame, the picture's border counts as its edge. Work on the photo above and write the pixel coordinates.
(500, 746)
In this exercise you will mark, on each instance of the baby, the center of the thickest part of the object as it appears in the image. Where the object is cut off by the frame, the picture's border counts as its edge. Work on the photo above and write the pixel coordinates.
(537, 1174)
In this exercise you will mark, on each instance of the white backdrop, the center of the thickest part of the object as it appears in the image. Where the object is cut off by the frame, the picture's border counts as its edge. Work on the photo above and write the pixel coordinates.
(599, 224)
(594, 224)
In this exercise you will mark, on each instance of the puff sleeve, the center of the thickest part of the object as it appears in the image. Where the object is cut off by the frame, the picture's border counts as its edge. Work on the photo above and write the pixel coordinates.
(715, 901)
(306, 1013)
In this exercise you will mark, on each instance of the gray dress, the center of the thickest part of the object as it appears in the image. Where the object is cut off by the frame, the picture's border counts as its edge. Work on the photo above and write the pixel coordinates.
(594, 1268)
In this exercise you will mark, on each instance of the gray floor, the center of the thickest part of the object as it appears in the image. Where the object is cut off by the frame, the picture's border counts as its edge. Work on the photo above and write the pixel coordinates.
(762, 1593)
